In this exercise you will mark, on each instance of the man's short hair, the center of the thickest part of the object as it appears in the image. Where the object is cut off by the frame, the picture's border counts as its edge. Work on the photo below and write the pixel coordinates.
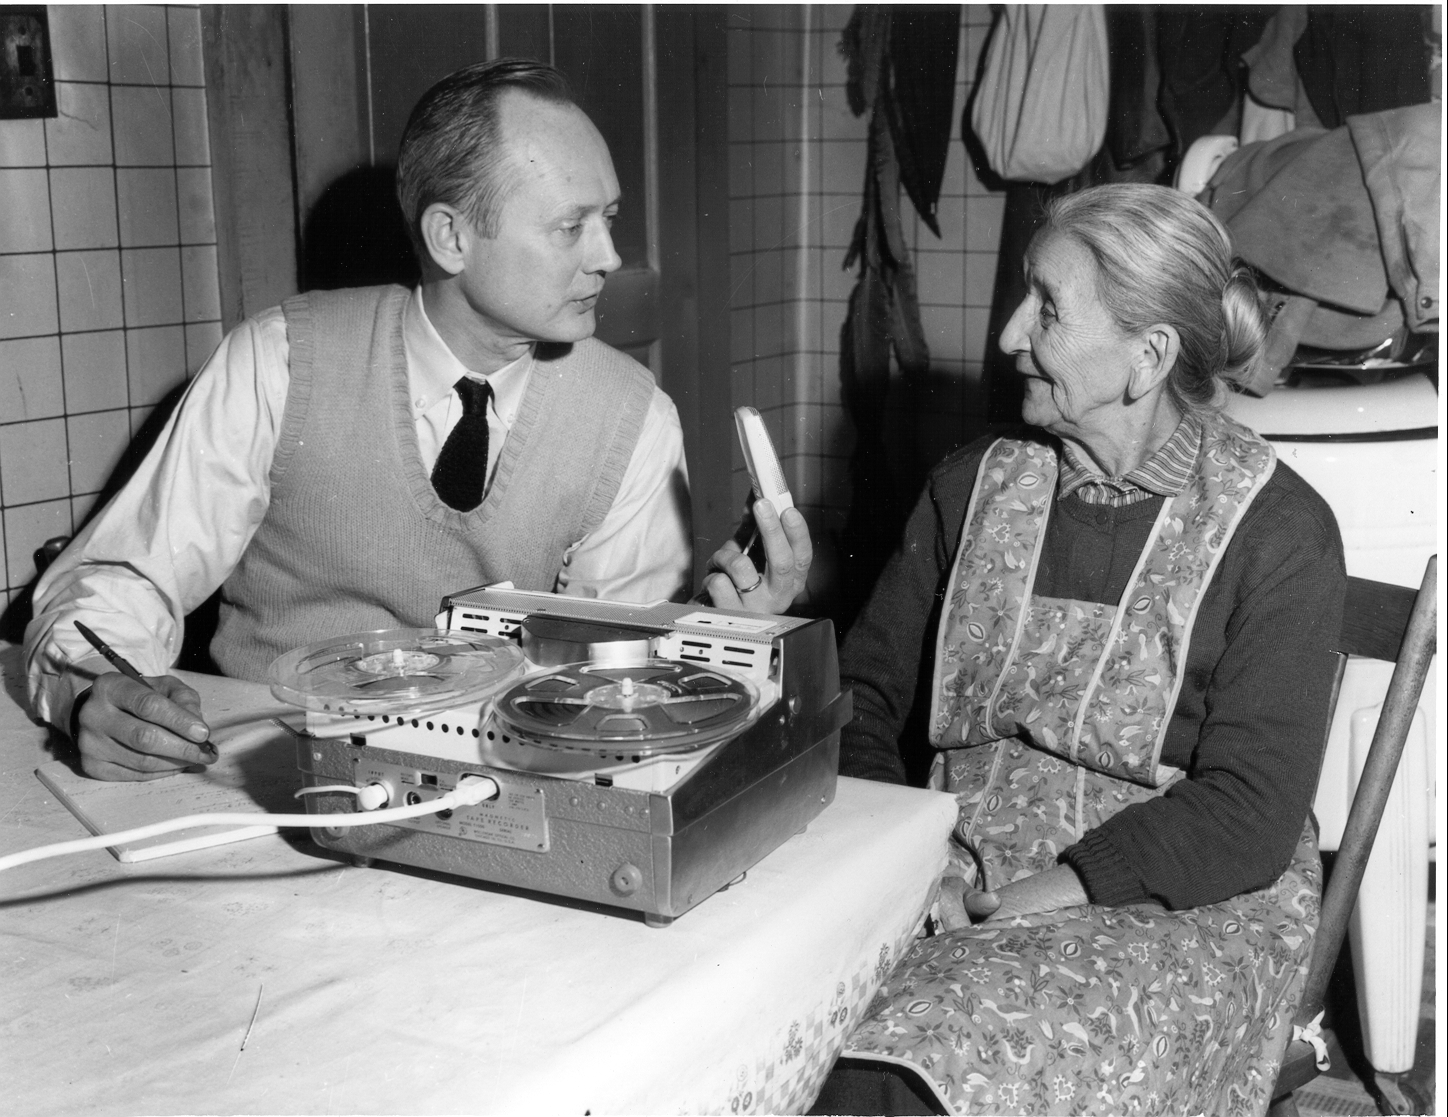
(452, 149)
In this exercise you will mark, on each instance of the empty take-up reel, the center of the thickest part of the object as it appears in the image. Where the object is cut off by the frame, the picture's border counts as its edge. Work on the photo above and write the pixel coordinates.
(415, 671)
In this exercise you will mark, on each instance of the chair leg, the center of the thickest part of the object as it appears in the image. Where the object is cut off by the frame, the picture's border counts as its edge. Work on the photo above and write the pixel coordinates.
(1284, 1106)
(1387, 925)
(1395, 1094)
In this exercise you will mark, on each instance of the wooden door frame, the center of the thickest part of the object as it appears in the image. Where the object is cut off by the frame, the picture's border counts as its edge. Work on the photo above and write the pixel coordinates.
(692, 65)
(245, 52)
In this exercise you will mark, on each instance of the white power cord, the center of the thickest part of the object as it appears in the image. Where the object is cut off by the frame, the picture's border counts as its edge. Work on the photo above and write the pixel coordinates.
(369, 798)
(470, 791)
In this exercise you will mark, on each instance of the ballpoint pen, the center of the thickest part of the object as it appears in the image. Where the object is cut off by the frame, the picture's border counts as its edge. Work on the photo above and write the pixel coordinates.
(124, 666)
(118, 661)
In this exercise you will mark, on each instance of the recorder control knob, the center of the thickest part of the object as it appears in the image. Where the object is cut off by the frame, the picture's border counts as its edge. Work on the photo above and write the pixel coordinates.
(626, 879)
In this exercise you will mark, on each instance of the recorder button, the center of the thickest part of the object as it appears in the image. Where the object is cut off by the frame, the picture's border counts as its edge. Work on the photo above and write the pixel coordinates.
(626, 879)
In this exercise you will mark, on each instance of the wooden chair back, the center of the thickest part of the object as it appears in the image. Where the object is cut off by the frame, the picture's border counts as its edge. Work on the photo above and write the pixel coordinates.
(1393, 623)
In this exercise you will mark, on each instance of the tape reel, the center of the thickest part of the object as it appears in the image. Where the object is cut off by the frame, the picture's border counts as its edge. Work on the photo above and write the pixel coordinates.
(398, 670)
(658, 706)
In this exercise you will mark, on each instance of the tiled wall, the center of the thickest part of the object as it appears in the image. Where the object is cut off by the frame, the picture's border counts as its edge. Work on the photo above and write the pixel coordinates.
(797, 162)
(108, 276)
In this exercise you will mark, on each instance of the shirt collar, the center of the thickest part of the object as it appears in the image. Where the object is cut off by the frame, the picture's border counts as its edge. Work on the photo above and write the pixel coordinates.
(1166, 473)
(432, 369)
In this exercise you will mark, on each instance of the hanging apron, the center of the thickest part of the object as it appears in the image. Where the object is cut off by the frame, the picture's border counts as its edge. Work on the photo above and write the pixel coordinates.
(1050, 716)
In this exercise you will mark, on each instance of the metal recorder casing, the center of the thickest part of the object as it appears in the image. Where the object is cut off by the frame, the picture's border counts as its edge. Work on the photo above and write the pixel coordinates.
(594, 821)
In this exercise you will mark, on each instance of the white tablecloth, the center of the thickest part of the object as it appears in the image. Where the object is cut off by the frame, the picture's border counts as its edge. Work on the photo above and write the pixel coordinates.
(130, 989)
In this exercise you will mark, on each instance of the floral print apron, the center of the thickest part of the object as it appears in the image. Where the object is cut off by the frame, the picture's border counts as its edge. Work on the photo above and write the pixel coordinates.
(1050, 715)
(1101, 690)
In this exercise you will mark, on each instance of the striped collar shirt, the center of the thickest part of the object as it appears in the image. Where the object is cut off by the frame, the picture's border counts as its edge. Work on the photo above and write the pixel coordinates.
(1165, 473)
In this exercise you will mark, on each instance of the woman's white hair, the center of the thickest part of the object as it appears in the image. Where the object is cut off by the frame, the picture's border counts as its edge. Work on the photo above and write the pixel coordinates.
(1162, 257)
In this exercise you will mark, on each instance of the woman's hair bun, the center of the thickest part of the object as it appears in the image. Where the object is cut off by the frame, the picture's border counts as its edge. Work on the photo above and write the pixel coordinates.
(1244, 325)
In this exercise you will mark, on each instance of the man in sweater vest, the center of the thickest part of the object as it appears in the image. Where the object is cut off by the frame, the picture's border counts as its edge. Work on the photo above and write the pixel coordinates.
(345, 459)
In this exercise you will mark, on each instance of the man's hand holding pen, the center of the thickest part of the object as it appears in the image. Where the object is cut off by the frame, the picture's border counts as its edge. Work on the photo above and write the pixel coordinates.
(134, 727)
(128, 730)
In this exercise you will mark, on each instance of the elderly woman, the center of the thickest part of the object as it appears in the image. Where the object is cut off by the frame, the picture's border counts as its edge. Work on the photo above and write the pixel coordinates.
(1116, 623)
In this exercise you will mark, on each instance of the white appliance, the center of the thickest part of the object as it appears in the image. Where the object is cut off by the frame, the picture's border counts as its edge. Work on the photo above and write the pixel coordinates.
(1372, 451)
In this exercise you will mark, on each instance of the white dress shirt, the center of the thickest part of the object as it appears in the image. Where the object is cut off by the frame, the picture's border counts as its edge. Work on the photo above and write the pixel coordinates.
(174, 533)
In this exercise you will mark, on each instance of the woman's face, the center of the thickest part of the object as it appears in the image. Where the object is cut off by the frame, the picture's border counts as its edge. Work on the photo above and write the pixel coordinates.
(1075, 359)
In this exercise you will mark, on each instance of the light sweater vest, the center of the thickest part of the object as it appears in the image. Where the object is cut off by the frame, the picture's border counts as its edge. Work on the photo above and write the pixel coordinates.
(355, 538)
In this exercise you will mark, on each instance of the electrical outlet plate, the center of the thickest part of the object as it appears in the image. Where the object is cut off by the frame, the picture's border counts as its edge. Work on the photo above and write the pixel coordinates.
(27, 81)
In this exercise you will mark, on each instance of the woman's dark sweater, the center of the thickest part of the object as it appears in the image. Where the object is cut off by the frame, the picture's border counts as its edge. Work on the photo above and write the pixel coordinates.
(1250, 722)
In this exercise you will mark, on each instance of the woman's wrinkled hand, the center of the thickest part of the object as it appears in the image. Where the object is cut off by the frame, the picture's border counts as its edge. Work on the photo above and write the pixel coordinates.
(1050, 890)
(980, 905)
(960, 904)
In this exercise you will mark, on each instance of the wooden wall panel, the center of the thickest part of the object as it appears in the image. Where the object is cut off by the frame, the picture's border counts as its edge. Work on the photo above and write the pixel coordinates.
(693, 128)
(329, 96)
(244, 47)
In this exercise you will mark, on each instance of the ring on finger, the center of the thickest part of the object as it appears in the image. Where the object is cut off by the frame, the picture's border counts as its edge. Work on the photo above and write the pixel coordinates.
(759, 581)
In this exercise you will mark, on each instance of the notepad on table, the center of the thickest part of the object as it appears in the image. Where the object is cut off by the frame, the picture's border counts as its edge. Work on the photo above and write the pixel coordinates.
(256, 773)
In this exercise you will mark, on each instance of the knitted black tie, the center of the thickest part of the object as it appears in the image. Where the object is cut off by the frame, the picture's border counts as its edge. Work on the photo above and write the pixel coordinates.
(462, 467)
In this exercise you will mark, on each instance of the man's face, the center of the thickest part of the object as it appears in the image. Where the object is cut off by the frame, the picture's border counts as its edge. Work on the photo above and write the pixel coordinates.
(539, 278)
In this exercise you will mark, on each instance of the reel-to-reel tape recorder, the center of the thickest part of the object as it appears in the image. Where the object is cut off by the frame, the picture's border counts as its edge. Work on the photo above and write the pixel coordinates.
(644, 755)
